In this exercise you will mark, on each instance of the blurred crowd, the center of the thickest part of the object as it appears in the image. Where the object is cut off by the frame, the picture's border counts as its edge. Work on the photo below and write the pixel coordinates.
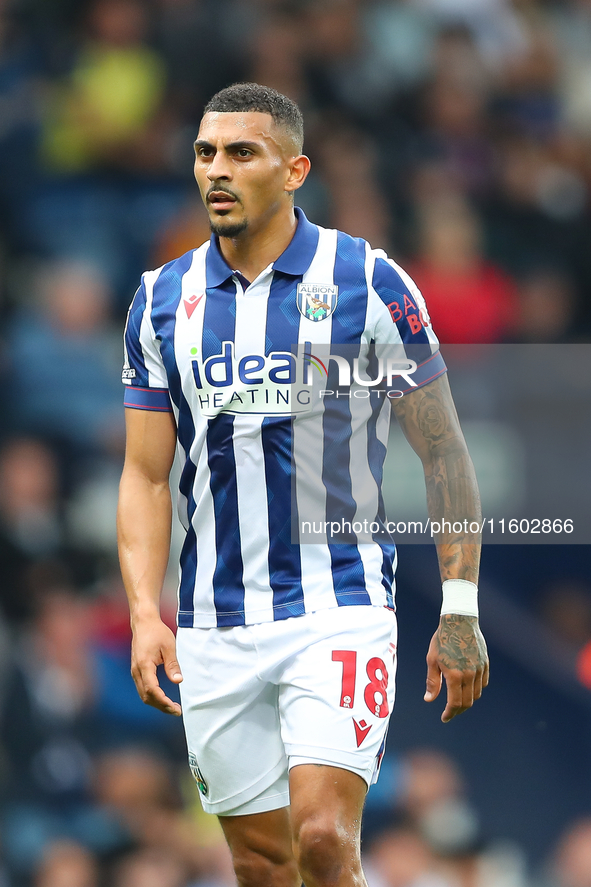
(455, 134)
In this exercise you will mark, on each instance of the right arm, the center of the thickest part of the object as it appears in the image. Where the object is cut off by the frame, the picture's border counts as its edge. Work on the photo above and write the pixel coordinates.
(144, 519)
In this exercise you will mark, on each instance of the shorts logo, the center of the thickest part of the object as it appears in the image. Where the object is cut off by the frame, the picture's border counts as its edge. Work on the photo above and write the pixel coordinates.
(361, 730)
(317, 301)
(197, 774)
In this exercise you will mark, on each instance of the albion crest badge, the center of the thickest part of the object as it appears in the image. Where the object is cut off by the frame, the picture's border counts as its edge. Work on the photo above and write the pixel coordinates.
(197, 774)
(317, 301)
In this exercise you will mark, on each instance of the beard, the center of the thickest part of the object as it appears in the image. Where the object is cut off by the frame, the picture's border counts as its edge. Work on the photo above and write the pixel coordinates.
(228, 229)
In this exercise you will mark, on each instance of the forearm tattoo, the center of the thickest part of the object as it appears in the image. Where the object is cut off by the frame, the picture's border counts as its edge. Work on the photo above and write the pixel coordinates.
(429, 420)
(460, 644)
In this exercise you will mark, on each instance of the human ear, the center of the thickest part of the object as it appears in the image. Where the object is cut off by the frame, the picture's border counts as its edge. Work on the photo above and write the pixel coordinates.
(299, 168)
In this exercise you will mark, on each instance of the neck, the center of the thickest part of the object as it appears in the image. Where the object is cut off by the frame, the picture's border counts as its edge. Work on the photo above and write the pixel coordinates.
(251, 252)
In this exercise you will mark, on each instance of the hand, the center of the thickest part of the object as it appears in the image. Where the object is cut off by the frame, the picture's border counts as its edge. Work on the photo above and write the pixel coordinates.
(154, 644)
(457, 652)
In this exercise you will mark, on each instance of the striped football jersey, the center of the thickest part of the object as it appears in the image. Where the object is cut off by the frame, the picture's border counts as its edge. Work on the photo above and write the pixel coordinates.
(268, 433)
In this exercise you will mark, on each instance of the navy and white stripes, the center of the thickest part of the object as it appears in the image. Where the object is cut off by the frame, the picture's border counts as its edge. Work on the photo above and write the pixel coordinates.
(222, 358)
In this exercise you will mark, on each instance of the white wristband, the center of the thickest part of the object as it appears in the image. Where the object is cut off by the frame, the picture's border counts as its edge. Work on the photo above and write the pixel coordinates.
(460, 597)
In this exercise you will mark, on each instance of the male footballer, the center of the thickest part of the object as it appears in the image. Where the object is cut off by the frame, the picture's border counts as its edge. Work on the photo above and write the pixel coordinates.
(286, 650)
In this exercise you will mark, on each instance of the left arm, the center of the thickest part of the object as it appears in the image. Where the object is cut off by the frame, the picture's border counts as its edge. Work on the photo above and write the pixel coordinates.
(457, 651)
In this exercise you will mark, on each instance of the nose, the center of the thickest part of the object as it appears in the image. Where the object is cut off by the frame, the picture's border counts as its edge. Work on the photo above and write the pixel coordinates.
(219, 168)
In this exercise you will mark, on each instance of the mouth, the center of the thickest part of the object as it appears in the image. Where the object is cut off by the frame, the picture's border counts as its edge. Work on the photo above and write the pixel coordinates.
(221, 201)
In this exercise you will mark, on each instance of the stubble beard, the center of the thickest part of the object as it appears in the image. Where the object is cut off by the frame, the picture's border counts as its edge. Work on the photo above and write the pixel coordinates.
(228, 229)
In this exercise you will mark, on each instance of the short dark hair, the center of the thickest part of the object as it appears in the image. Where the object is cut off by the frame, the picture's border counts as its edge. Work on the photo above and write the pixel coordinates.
(254, 97)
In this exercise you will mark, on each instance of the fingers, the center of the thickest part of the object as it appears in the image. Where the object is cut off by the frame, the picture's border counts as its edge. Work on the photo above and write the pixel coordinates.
(173, 670)
(463, 689)
(455, 695)
(457, 653)
(153, 645)
(150, 691)
(478, 684)
(434, 680)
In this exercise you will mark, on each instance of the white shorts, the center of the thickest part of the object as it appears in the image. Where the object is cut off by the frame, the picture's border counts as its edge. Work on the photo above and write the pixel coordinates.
(260, 699)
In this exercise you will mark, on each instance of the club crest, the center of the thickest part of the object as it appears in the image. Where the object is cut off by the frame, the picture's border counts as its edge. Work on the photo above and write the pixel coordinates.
(197, 774)
(317, 301)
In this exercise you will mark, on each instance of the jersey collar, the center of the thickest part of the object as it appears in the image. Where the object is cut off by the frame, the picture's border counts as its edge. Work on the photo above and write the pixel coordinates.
(296, 259)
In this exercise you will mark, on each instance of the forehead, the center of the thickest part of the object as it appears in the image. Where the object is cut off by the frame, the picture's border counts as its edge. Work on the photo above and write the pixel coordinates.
(225, 127)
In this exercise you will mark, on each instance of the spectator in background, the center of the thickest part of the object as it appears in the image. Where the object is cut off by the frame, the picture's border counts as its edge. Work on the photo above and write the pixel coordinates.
(400, 857)
(181, 232)
(48, 731)
(546, 307)
(570, 27)
(453, 107)
(29, 503)
(136, 788)
(60, 783)
(149, 868)
(123, 717)
(67, 864)
(20, 75)
(437, 841)
(527, 99)
(430, 779)
(566, 610)
(62, 359)
(494, 24)
(278, 49)
(470, 300)
(30, 520)
(538, 215)
(565, 607)
(348, 162)
(42, 533)
(103, 113)
(187, 35)
(395, 55)
(570, 865)
(333, 39)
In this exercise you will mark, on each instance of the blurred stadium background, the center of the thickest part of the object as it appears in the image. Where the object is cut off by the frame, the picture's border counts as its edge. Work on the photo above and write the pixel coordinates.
(455, 134)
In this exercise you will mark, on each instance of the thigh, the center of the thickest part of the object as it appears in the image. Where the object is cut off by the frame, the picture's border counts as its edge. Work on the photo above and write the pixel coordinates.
(337, 694)
(231, 720)
(262, 849)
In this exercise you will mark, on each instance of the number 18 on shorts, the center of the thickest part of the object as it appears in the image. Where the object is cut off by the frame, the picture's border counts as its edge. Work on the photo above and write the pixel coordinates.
(260, 699)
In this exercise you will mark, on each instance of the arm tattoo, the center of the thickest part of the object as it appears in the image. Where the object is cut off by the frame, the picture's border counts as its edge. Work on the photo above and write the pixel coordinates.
(460, 644)
(430, 423)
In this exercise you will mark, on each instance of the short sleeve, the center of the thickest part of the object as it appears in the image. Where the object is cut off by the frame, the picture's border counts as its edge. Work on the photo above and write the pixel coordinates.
(144, 374)
(400, 318)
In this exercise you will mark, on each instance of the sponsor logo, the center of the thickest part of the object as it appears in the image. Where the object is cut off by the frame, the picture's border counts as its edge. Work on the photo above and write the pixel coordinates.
(191, 303)
(255, 383)
(316, 301)
(416, 317)
(287, 382)
(128, 373)
(197, 774)
(361, 730)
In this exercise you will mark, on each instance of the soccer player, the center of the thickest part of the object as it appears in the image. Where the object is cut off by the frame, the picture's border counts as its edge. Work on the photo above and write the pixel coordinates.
(286, 650)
